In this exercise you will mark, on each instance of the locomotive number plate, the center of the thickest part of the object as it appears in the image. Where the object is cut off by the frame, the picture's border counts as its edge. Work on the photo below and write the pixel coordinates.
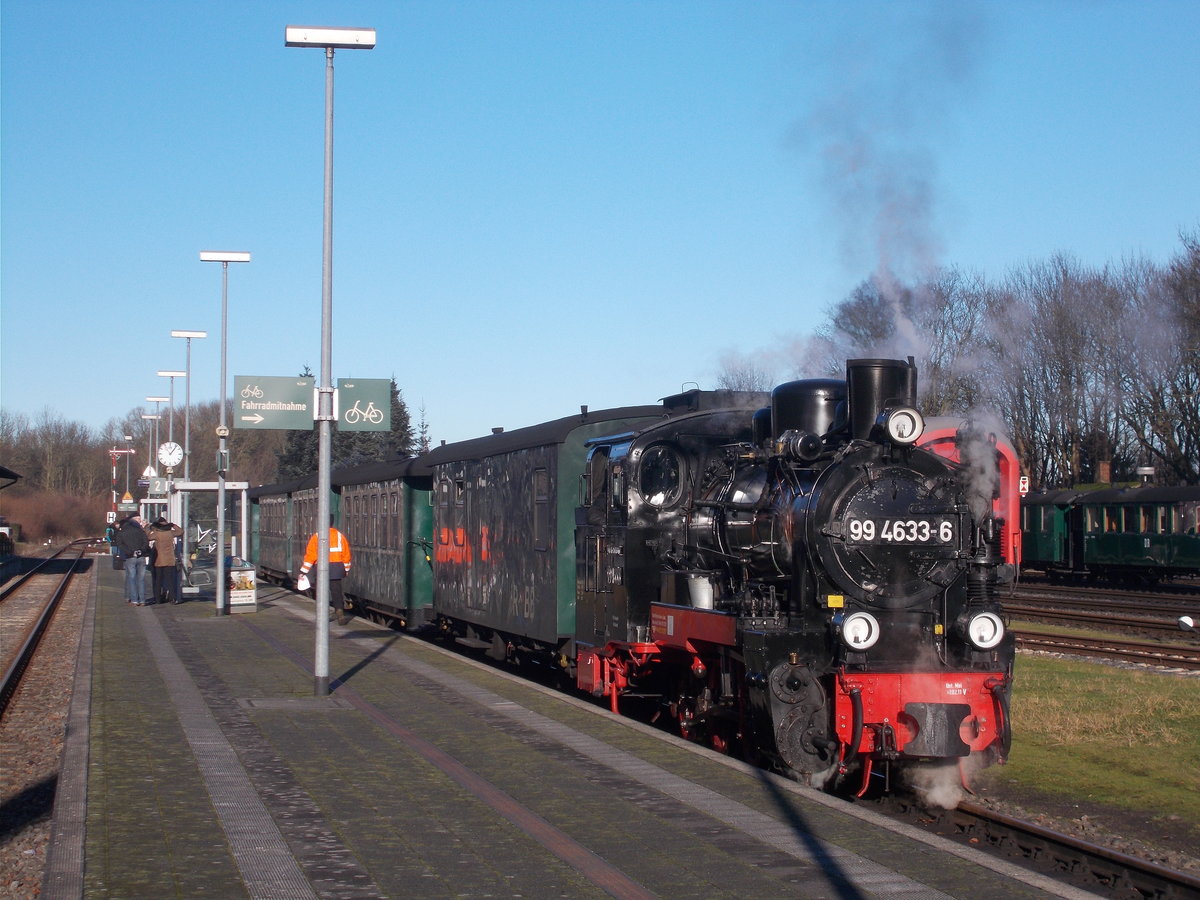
(900, 531)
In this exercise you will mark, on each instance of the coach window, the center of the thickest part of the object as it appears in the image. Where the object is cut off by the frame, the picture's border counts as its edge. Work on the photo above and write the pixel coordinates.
(445, 518)
(460, 503)
(375, 520)
(660, 476)
(541, 509)
(1188, 517)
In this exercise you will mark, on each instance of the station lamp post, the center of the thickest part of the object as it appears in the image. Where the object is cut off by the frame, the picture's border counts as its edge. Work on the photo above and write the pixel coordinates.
(171, 374)
(224, 257)
(187, 433)
(329, 40)
(155, 401)
(129, 447)
(148, 472)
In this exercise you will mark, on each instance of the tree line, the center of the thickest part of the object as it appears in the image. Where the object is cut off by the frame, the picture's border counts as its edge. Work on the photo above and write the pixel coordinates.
(68, 474)
(1094, 373)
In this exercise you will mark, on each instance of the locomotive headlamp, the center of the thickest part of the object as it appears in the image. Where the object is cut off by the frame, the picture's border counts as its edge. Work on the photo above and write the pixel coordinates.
(985, 630)
(860, 631)
(903, 425)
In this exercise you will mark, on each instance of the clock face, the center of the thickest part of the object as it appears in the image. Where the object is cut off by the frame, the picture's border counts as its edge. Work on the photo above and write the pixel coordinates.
(170, 454)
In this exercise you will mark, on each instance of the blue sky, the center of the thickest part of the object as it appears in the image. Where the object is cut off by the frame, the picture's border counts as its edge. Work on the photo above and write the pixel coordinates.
(545, 204)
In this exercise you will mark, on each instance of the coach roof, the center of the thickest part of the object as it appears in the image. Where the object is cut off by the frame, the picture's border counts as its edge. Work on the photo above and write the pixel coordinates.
(536, 435)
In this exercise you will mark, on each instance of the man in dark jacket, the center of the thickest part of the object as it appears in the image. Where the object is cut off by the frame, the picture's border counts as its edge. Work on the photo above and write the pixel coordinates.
(135, 548)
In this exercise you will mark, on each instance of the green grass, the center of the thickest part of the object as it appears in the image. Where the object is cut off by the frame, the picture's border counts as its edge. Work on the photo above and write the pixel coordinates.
(1111, 736)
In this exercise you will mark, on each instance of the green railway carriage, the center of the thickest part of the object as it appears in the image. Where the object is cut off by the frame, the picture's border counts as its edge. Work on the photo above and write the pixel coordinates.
(1138, 534)
(1047, 522)
(274, 512)
(384, 510)
(504, 528)
(1141, 533)
(387, 515)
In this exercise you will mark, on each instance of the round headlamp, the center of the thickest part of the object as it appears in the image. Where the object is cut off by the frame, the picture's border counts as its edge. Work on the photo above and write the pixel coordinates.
(985, 630)
(904, 425)
(860, 631)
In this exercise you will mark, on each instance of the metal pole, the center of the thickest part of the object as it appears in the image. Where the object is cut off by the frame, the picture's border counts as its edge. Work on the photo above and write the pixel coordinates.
(222, 452)
(187, 455)
(325, 402)
(171, 420)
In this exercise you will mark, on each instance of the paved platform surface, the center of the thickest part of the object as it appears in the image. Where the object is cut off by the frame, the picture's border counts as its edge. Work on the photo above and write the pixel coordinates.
(199, 763)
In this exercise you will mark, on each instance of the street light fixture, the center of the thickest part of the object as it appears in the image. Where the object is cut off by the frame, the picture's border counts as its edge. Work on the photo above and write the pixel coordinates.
(187, 436)
(224, 257)
(329, 39)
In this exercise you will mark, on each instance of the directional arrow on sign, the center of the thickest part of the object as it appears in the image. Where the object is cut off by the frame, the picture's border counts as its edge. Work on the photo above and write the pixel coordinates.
(256, 418)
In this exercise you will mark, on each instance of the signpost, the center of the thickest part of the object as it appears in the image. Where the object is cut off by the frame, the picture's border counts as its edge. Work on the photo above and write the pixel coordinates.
(364, 404)
(267, 401)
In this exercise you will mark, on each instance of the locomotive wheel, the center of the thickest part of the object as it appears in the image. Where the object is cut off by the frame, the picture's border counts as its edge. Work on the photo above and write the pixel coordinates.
(802, 732)
(797, 738)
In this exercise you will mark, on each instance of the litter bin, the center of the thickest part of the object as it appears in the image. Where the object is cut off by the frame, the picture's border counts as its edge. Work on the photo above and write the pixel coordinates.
(243, 589)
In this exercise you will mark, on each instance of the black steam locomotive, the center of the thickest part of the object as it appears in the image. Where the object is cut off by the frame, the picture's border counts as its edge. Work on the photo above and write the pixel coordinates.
(810, 578)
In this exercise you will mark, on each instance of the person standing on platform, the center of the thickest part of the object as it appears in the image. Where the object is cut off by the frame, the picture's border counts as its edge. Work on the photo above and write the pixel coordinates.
(135, 549)
(339, 566)
(166, 585)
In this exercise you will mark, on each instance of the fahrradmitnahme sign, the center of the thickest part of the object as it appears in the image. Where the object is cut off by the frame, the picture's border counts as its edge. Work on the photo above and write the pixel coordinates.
(290, 404)
(364, 404)
(268, 401)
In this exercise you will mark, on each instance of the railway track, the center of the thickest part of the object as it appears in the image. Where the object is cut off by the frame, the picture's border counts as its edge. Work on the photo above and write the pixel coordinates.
(1062, 856)
(1099, 600)
(26, 608)
(1146, 652)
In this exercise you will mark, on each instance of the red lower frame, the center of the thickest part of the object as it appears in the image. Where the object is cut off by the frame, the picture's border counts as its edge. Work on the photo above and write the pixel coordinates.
(884, 697)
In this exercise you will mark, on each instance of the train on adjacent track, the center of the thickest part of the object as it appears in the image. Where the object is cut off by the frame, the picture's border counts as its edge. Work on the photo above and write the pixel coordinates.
(1133, 535)
(810, 577)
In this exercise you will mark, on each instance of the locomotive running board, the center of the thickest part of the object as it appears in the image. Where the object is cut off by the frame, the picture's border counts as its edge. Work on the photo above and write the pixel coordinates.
(677, 626)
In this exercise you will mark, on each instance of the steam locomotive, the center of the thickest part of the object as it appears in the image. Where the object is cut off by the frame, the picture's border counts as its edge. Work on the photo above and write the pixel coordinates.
(810, 577)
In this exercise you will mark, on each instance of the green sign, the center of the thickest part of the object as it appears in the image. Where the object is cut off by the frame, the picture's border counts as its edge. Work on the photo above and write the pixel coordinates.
(268, 401)
(364, 404)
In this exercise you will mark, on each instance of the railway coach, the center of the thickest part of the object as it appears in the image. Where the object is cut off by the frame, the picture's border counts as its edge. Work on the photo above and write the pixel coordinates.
(1136, 535)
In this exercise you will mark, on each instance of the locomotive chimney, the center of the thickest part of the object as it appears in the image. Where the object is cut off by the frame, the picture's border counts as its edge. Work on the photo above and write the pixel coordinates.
(875, 385)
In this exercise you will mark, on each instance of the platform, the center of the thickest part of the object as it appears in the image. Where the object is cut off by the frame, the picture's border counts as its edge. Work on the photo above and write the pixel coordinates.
(198, 763)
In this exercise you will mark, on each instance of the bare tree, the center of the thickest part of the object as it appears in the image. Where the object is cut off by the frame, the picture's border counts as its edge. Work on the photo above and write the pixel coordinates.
(743, 373)
(1160, 379)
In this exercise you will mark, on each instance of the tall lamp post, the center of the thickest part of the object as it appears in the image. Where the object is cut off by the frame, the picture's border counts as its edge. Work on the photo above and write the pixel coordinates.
(328, 39)
(129, 447)
(154, 446)
(224, 257)
(187, 436)
(149, 472)
(172, 374)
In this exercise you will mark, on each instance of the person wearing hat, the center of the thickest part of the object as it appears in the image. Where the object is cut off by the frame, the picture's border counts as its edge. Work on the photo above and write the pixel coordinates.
(162, 536)
(135, 550)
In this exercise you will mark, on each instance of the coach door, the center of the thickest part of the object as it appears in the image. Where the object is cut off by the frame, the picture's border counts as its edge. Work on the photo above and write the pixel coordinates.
(600, 542)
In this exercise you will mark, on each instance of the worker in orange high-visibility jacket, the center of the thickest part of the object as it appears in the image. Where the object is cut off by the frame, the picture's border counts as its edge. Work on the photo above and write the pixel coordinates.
(339, 567)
